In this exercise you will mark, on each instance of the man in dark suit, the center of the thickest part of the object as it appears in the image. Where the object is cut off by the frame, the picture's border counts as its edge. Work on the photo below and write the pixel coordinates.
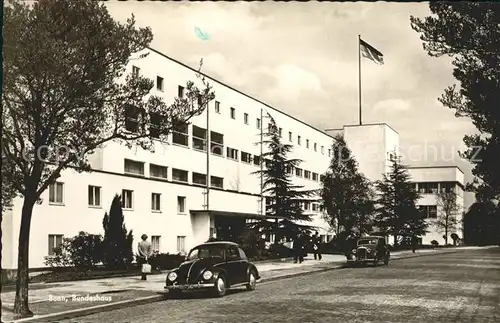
(298, 248)
(316, 244)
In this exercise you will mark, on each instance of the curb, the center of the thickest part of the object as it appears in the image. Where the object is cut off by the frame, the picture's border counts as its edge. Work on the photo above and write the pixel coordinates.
(157, 298)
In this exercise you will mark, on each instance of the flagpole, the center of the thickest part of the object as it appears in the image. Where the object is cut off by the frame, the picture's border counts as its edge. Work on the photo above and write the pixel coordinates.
(261, 163)
(208, 157)
(359, 79)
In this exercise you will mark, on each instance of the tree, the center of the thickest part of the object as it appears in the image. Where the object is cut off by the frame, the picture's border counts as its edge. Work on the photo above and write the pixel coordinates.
(346, 193)
(482, 224)
(469, 32)
(117, 243)
(66, 92)
(396, 211)
(286, 198)
(448, 210)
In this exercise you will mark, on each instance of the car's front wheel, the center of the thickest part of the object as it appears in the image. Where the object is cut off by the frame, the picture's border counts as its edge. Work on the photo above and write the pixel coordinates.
(220, 286)
(252, 280)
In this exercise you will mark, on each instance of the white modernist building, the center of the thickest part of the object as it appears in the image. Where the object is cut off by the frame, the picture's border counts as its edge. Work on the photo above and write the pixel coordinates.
(164, 193)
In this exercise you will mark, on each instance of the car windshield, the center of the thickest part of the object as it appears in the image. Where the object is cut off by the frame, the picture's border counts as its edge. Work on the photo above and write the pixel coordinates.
(203, 252)
(367, 241)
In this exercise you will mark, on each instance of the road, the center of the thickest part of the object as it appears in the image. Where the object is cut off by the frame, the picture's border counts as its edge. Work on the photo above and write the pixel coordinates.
(457, 287)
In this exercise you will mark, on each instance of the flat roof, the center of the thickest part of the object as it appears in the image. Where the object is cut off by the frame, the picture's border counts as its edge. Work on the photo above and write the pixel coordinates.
(424, 167)
(362, 125)
(236, 90)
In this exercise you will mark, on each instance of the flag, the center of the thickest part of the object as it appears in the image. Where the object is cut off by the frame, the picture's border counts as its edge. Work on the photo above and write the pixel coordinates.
(371, 53)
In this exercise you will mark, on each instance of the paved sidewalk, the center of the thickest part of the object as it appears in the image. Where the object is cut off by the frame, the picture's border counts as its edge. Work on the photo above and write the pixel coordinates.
(51, 298)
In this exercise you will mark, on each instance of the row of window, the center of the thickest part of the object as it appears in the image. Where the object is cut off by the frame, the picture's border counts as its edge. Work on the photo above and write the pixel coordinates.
(434, 187)
(56, 196)
(232, 115)
(306, 205)
(55, 241)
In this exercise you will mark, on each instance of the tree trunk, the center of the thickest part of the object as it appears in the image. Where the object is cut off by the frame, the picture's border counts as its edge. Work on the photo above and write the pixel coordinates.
(21, 303)
(446, 232)
(1, 269)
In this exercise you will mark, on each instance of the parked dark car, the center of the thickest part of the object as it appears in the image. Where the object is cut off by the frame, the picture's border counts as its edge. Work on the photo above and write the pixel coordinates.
(213, 266)
(371, 249)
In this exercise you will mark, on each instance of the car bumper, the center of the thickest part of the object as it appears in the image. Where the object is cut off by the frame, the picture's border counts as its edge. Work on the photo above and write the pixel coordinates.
(188, 286)
(360, 260)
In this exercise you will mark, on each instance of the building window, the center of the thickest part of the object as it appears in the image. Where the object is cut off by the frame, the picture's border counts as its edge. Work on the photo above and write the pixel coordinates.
(321, 178)
(322, 150)
(315, 177)
(199, 138)
(298, 172)
(216, 143)
(256, 160)
(181, 244)
(307, 205)
(94, 195)
(280, 132)
(289, 169)
(447, 187)
(315, 207)
(428, 187)
(135, 71)
(180, 135)
(329, 153)
(429, 211)
(307, 143)
(181, 204)
(180, 91)
(289, 136)
(155, 201)
(55, 241)
(199, 179)
(56, 193)
(245, 118)
(217, 107)
(157, 171)
(132, 117)
(155, 243)
(315, 147)
(133, 167)
(159, 83)
(233, 113)
(127, 199)
(246, 157)
(257, 123)
(155, 125)
(307, 174)
(299, 140)
(216, 181)
(232, 153)
(179, 175)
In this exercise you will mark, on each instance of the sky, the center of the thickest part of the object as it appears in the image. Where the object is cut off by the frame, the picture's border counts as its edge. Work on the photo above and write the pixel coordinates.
(302, 58)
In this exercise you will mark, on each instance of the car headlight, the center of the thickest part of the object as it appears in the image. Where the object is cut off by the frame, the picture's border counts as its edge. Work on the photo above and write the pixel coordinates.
(207, 275)
(353, 251)
(172, 276)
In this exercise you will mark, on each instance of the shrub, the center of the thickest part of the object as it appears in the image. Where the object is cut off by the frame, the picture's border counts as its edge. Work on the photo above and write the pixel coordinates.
(61, 256)
(165, 261)
(434, 243)
(86, 250)
(117, 244)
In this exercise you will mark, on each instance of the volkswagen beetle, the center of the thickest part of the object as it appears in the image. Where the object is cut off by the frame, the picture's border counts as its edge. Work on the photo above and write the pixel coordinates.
(213, 266)
(370, 250)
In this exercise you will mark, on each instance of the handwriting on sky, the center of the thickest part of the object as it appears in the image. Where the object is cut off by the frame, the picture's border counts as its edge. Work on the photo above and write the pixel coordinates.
(201, 34)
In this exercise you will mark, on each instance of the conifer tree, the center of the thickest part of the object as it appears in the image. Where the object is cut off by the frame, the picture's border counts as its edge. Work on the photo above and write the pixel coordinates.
(117, 243)
(285, 198)
(346, 193)
(396, 211)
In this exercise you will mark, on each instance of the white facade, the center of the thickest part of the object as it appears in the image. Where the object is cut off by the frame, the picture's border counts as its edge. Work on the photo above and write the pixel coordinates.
(178, 228)
(169, 207)
(430, 180)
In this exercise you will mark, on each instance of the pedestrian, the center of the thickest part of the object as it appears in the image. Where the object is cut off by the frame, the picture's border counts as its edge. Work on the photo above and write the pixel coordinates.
(143, 253)
(414, 242)
(316, 242)
(298, 248)
(350, 244)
